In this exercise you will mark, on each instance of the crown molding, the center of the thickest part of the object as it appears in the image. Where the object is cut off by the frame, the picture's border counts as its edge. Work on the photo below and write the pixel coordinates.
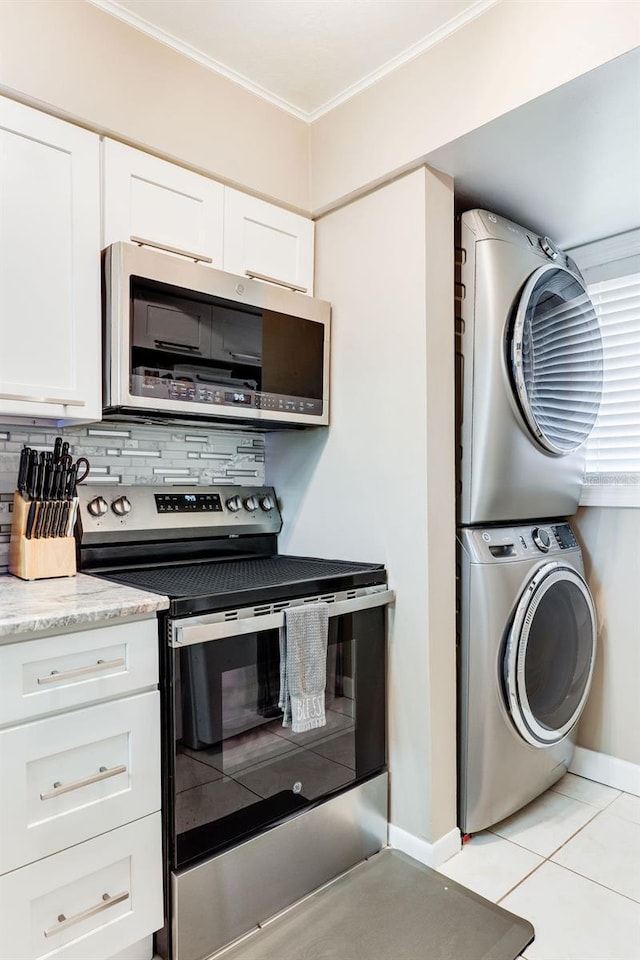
(437, 36)
(309, 116)
(162, 36)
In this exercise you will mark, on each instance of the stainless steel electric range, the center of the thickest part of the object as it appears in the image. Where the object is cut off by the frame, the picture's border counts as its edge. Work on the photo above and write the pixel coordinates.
(255, 816)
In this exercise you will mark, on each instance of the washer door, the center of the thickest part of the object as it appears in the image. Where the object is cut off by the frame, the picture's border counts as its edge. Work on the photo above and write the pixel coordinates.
(556, 359)
(549, 654)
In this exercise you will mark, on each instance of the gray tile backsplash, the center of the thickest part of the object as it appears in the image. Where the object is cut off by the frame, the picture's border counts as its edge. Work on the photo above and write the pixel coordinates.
(131, 453)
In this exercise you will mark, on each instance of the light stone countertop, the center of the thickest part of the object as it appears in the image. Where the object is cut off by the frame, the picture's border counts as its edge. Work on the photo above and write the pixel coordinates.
(27, 606)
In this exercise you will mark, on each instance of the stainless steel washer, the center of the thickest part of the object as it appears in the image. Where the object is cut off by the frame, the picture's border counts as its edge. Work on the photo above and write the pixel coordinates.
(527, 643)
(529, 373)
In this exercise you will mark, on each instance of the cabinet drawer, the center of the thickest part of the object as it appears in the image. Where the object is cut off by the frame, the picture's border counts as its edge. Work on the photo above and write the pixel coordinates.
(266, 242)
(52, 674)
(88, 902)
(70, 777)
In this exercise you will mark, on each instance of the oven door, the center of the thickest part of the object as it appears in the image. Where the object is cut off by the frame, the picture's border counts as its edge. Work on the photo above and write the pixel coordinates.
(235, 769)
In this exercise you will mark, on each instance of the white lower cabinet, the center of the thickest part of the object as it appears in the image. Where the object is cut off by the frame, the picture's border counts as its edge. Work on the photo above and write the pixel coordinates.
(67, 776)
(80, 823)
(51, 674)
(88, 902)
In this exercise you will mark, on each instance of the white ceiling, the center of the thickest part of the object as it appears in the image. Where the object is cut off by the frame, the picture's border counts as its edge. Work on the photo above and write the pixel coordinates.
(305, 55)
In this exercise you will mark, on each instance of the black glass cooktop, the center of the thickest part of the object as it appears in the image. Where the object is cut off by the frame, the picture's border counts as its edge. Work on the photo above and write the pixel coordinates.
(208, 586)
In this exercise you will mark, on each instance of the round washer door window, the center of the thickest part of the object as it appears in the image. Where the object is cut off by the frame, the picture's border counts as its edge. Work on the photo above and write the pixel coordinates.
(556, 359)
(550, 654)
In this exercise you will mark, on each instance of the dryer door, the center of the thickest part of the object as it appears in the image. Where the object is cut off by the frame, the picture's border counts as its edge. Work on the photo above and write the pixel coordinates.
(549, 654)
(556, 359)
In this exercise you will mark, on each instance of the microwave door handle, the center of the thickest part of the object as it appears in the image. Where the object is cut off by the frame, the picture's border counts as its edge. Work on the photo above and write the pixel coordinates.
(202, 630)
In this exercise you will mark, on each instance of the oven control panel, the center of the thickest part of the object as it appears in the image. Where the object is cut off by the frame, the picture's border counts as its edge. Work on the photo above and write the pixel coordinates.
(128, 513)
(187, 502)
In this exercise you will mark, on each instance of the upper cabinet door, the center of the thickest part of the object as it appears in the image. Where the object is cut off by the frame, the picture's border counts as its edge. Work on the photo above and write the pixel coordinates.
(264, 241)
(49, 267)
(165, 206)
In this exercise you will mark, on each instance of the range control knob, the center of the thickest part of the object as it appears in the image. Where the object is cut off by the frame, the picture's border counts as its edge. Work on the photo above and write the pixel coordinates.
(541, 539)
(97, 507)
(234, 504)
(549, 247)
(251, 503)
(121, 506)
(266, 503)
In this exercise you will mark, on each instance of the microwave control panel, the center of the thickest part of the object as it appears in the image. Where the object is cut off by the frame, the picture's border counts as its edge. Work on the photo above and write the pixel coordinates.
(149, 382)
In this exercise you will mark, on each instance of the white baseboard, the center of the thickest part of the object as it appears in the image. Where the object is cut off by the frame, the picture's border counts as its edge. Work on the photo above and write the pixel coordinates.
(602, 768)
(431, 854)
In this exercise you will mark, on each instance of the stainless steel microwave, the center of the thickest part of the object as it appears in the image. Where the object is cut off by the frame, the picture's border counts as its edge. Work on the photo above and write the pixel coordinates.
(185, 342)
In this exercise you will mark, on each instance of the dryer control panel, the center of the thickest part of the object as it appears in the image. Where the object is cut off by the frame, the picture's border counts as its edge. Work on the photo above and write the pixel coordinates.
(525, 541)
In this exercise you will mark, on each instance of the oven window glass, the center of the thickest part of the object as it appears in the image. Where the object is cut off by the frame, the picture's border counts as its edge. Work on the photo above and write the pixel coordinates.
(237, 769)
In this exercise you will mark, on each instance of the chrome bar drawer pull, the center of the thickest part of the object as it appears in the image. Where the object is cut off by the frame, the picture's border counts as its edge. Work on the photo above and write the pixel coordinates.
(55, 676)
(254, 275)
(142, 242)
(107, 901)
(104, 774)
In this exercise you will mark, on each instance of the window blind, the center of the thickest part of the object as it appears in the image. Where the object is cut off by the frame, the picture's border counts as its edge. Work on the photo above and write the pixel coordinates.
(611, 269)
(613, 449)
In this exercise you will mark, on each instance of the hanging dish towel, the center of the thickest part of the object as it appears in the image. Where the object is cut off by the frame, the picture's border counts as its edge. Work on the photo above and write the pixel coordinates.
(303, 666)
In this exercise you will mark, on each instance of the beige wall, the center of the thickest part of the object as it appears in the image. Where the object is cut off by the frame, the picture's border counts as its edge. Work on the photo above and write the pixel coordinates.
(378, 486)
(514, 52)
(610, 539)
(93, 68)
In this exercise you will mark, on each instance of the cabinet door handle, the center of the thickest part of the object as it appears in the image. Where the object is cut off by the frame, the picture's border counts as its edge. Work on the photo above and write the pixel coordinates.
(163, 246)
(246, 356)
(191, 348)
(281, 283)
(104, 774)
(55, 676)
(107, 901)
(30, 399)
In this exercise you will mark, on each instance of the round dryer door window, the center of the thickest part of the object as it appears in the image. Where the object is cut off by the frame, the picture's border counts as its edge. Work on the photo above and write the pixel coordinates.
(556, 359)
(549, 654)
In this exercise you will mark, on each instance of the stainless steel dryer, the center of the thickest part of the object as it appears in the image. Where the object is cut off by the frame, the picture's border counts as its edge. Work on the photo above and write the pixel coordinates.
(529, 373)
(527, 642)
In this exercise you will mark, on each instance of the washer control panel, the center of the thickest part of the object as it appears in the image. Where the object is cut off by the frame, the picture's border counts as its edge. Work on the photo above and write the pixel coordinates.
(517, 543)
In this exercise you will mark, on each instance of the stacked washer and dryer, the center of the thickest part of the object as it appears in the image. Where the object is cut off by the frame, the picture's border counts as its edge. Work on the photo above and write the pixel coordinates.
(529, 381)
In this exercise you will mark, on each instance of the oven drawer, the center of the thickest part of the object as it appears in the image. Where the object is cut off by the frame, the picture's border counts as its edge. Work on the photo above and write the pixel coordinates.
(70, 777)
(52, 674)
(86, 903)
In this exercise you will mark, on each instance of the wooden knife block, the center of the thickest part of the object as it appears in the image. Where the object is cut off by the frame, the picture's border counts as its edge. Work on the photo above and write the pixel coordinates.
(38, 559)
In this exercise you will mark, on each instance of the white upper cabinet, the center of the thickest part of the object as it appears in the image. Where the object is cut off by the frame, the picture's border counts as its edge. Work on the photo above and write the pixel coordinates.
(49, 267)
(267, 242)
(165, 206)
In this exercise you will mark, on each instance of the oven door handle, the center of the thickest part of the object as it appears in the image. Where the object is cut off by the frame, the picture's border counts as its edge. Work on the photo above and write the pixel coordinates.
(204, 629)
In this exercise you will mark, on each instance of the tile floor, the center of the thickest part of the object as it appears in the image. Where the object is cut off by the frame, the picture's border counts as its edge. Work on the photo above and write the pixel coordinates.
(570, 863)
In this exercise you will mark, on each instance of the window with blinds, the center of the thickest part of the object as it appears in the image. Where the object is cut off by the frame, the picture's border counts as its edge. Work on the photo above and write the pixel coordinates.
(612, 272)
